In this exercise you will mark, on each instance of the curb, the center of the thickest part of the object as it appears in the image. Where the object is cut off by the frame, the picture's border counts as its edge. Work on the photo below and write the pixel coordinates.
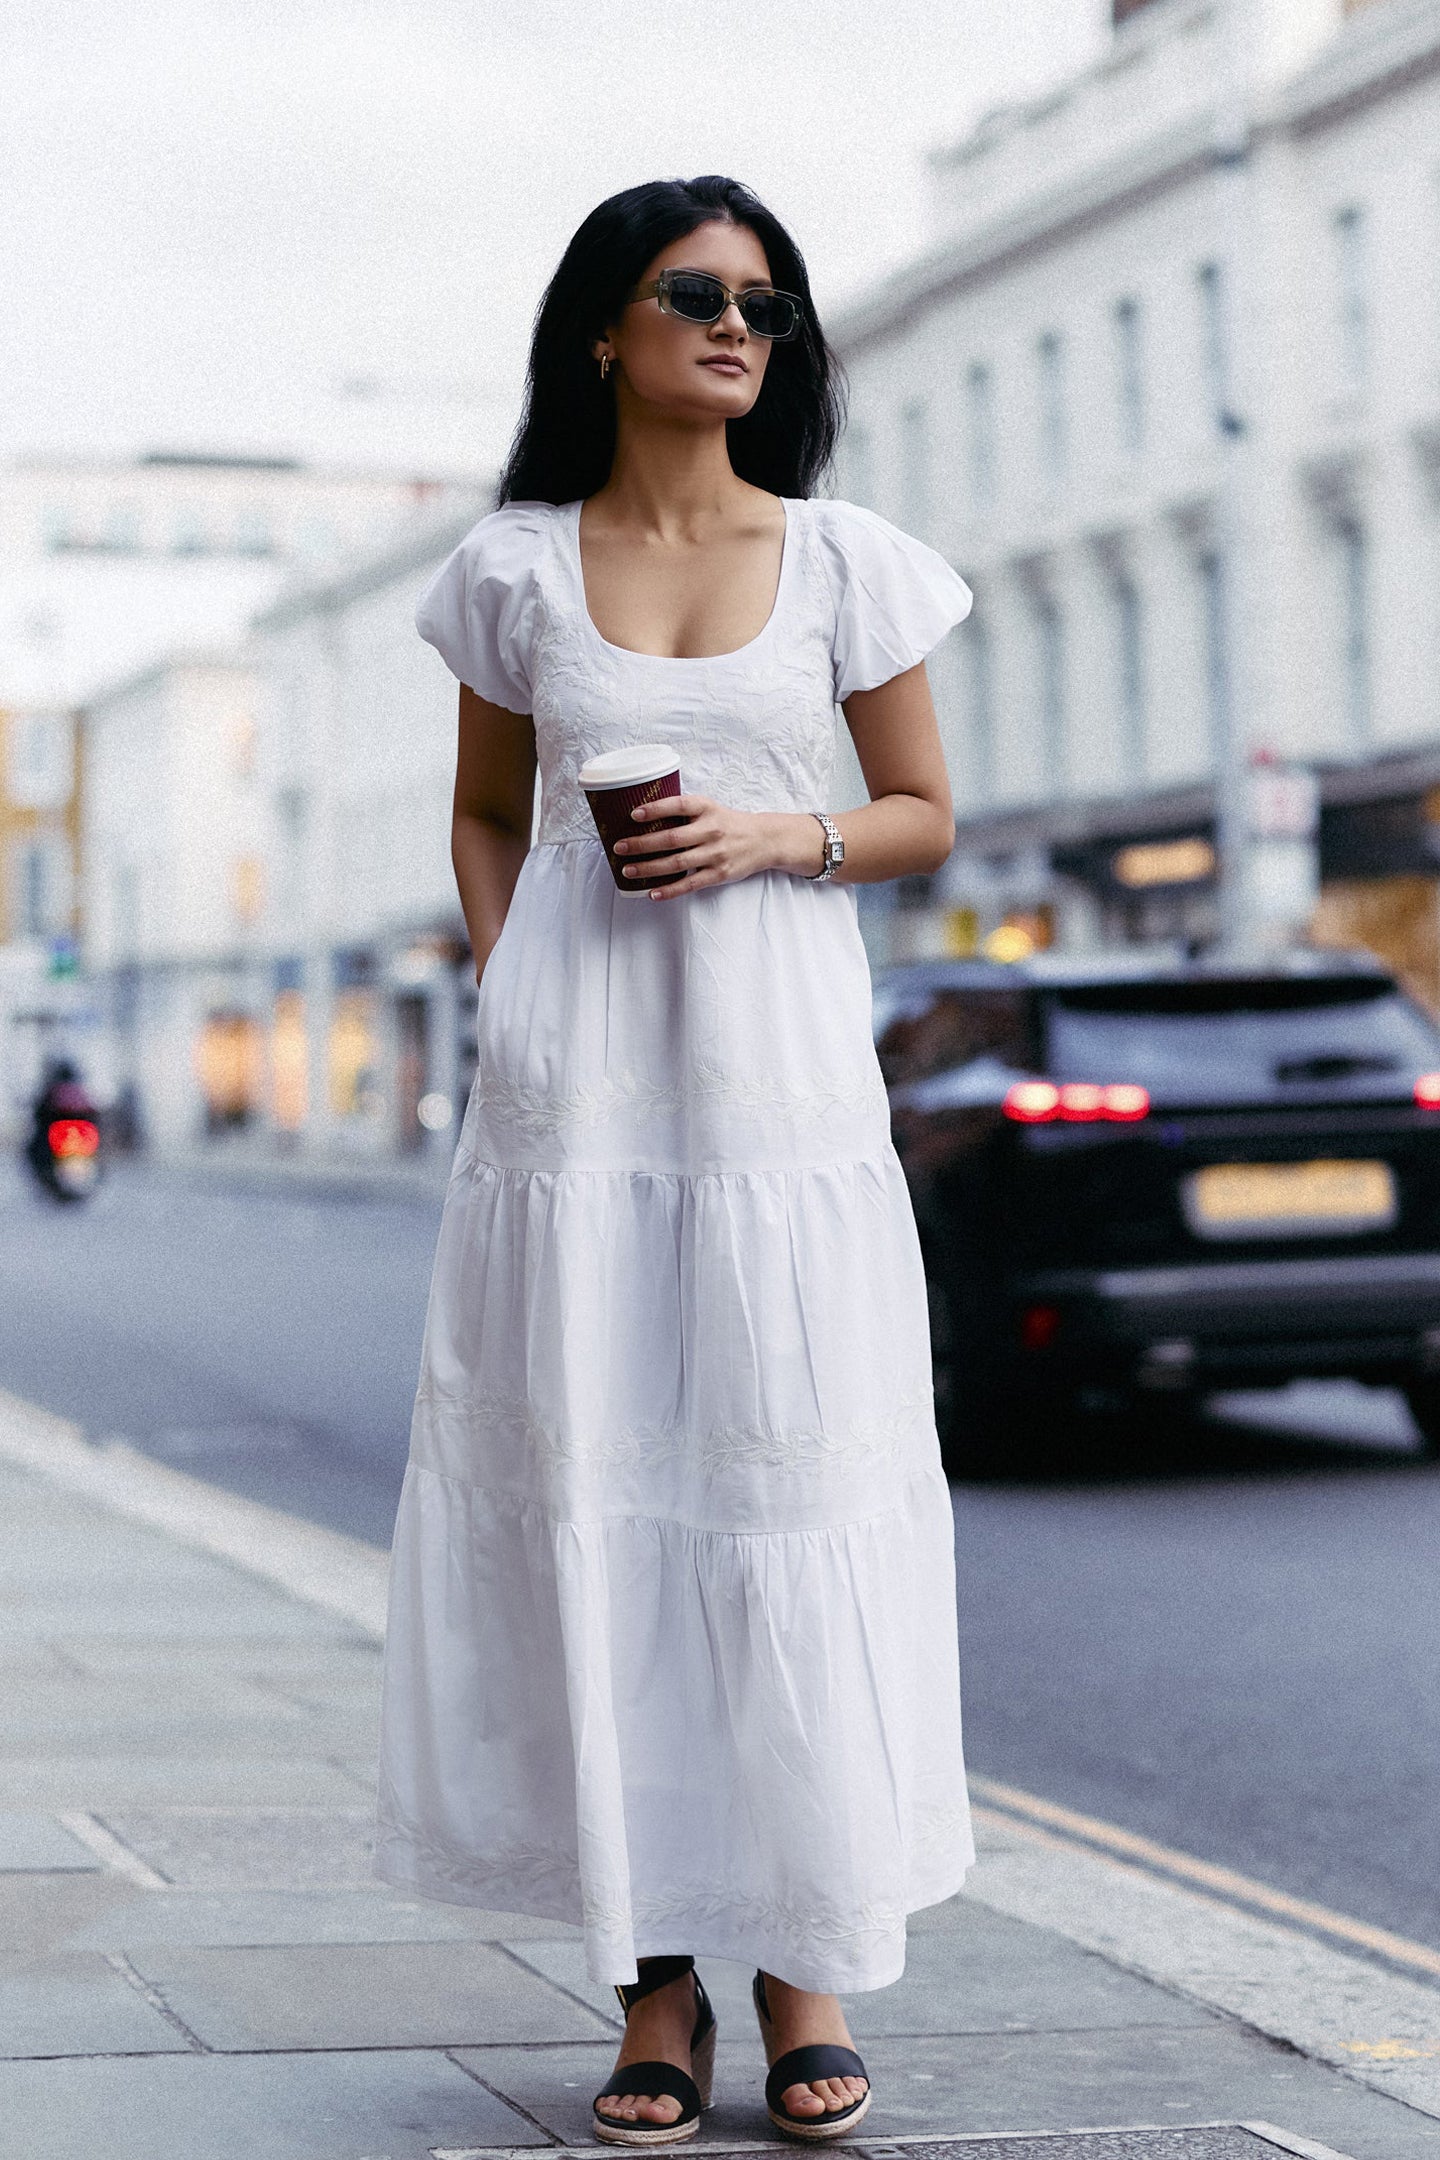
(340, 1575)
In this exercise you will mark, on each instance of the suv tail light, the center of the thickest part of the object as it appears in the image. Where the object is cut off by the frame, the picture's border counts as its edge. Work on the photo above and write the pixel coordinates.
(1427, 1091)
(1083, 1102)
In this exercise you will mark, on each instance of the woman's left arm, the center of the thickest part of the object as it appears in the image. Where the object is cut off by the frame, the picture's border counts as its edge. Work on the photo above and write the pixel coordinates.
(908, 824)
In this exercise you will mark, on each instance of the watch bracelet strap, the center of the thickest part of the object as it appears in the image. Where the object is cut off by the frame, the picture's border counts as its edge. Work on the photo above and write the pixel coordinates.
(827, 868)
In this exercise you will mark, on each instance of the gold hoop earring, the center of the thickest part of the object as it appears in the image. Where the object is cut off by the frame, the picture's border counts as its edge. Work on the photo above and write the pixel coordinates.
(604, 365)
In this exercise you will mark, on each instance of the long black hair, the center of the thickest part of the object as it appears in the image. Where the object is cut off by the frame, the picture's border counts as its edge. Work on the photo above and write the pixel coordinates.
(564, 445)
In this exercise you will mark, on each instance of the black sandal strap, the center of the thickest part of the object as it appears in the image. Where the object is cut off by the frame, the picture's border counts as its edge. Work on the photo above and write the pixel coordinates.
(654, 2080)
(656, 1972)
(802, 2065)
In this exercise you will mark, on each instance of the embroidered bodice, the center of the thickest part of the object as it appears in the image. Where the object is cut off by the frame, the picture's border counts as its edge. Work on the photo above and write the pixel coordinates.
(857, 602)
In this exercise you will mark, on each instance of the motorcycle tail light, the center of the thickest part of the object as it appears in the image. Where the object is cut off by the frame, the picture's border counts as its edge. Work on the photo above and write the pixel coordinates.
(1427, 1091)
(73, 1136)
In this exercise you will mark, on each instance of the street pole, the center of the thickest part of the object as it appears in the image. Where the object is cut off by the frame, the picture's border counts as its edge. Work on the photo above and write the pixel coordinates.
(1235, 391)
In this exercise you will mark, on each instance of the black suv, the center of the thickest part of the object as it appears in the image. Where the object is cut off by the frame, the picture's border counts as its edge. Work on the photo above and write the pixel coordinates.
(1139, 1180)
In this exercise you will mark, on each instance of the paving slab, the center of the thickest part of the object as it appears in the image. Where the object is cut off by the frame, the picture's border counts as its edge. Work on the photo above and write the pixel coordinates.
(220, 1919)
(995, 2083)
(77, 2005)
(107, 1782)
(1211, 2141)
(366, 1995)
(379, 2105)
(261, 1848)
(31, 1843)
(990, 1975)
(331, 1656)
(151, 1612)
(40, 1913)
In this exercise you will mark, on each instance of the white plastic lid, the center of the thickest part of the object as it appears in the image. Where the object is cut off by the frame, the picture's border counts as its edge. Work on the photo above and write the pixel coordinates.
(628, 767)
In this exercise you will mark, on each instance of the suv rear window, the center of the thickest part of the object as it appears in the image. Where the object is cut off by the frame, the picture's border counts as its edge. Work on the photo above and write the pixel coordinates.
(1263, 1039)
(941, 1029)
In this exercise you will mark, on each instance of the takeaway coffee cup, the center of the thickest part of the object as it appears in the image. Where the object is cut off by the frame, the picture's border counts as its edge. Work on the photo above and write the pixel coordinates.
(614, 783)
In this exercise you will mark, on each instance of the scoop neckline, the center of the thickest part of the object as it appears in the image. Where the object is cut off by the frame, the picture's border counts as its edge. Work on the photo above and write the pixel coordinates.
(684, 660)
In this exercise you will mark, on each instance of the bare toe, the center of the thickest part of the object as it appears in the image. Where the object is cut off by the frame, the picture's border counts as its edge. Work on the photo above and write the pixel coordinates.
(800, 2098)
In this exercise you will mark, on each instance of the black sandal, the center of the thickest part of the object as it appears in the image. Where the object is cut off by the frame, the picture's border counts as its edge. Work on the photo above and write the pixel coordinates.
(661, 2079)
(800, 2066)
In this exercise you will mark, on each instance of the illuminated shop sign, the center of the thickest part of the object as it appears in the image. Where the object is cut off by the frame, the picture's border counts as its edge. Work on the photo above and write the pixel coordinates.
(1164, 862)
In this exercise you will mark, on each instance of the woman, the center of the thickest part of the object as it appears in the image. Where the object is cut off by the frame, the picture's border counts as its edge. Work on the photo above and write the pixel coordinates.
(672, 1646)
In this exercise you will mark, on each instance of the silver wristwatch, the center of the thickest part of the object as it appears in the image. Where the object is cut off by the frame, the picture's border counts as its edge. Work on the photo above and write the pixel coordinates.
(834, 849)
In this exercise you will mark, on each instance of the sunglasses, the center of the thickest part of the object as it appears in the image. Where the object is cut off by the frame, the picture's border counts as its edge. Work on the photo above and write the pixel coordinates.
(697, 297)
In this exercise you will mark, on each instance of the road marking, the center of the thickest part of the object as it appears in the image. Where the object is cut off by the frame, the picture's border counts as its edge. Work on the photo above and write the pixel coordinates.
(1390, 2051)
(102, 1841)
(1009, 1801)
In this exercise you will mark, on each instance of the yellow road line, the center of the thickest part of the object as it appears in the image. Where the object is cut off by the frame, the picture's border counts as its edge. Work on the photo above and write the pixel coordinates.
(1221, 1882)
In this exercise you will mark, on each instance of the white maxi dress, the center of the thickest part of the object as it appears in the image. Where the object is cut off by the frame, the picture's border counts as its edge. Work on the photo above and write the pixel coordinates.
(672, 1649)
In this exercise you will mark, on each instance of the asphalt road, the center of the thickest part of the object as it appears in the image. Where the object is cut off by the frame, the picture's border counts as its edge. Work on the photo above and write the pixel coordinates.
(1226, 1637)
(267, 1341)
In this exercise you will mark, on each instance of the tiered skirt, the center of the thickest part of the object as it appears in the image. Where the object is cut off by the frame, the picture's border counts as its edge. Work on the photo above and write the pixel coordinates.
(672, 1647)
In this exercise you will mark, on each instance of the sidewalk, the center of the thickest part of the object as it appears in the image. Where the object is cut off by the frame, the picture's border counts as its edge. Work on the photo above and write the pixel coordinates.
(195, 1963)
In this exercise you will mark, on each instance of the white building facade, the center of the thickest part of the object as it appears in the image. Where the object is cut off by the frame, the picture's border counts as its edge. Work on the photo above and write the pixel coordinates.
(1166, 390)
(270, 915)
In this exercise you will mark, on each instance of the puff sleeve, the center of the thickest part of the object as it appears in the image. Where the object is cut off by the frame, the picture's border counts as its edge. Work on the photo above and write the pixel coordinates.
(477, 609)
(895, 598)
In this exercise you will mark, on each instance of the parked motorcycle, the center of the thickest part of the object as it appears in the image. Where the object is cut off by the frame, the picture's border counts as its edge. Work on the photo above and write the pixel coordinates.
(63, 1149)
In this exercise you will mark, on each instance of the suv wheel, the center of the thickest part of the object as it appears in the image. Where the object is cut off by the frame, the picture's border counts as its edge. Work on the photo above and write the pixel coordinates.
(1423, 1396)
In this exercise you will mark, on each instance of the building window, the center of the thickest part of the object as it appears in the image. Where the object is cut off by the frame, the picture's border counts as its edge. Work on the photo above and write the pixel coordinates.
(1348, 231)
(316, 540)
(40, 765)
(125, 913)
(40, 882)
(1130, 376)
(230, 1066)
(1215, 345)
(980, 709)
(1050, 637)
(1130, 662)
(188, 535)
(121, 534)
(1355, 629)
(858, 478)
(1213, 601)
(252, 534)
(980, 444)
(247, 888)
(915, 467)
(1050, 362)
(292, 815)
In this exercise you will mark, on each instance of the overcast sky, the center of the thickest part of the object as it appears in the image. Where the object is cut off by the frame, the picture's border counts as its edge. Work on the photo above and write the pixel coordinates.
(217, 212)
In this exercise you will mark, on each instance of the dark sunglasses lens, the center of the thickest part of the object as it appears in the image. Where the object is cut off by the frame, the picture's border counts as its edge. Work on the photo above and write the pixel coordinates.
(770, 314)
(698, 298)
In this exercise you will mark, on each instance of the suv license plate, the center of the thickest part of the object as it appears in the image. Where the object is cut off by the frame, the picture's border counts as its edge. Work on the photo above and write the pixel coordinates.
(1238, 1200)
